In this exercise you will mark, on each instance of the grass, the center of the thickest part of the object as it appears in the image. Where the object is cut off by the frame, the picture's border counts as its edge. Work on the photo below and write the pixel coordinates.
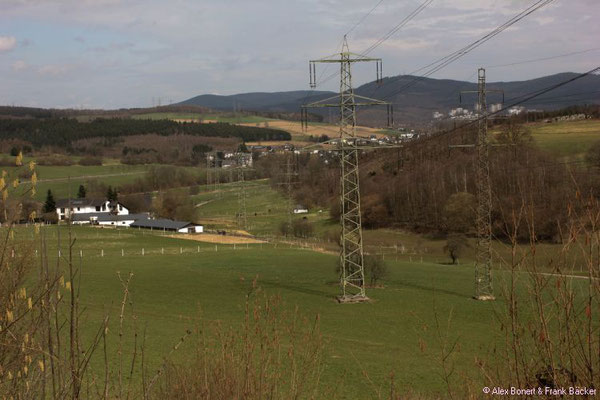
(396, 332)
(566, 139)
(266, 208)
(196, 117)
(65, 180)
(172, 292)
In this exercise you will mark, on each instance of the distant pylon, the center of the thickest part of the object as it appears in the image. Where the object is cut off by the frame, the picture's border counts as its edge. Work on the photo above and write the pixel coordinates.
(241, 214)
(483, 219)
(483, 274)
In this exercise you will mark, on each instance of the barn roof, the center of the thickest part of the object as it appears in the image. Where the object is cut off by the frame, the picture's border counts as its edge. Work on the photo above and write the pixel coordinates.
(103, 216)
(161, 224)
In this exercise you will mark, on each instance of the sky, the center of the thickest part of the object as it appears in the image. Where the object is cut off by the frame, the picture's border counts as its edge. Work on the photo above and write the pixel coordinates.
(137, 53)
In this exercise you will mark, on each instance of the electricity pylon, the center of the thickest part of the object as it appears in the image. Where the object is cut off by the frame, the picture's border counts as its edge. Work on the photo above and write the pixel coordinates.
(241, 214)
(483, 263)
(352, 279)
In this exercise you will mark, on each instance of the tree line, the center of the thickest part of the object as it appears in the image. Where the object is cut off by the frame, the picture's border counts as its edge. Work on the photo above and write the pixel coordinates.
(427, 187)
(63, 131)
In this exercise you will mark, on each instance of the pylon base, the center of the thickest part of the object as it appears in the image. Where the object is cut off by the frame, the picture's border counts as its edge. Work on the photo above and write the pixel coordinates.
(485, 297)
(352, 299)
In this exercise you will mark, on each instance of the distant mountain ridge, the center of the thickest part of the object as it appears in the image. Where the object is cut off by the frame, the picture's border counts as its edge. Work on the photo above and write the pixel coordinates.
(415, 99)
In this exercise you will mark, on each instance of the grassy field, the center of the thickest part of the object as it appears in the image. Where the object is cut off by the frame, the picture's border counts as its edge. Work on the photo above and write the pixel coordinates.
(266, 207)
(566, 139)
(193, 284)
(65, 180)
(192, 117)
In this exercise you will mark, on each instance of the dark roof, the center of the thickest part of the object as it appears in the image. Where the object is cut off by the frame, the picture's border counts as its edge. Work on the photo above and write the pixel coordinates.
(103, 216)
(161, 224)
(62, 203)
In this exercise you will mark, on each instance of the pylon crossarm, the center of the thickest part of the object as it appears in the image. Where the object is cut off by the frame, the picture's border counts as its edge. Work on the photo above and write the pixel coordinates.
(346, 56)
(372, 101)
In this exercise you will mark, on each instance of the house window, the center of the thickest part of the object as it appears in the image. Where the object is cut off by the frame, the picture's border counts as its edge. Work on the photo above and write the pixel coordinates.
(97, 208)
(78, 209)
(62, 210)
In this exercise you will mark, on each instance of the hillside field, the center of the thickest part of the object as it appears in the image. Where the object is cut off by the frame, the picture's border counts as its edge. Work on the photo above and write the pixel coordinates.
(566, 139)
(192, 284)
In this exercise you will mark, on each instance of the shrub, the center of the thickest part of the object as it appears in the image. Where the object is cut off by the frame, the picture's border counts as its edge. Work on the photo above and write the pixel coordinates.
(456, 243)
(375, 268)
(90, 160)
(55, 160)
(302, 228)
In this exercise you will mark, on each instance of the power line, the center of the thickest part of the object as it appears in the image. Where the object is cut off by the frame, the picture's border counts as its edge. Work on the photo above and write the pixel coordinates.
(443, 62)
(391, 32)
(364, 17)
(543, 58)
(524, 98)
(397, 27)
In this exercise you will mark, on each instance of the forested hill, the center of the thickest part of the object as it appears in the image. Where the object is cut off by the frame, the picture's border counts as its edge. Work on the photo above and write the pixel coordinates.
(63, 131)
(417, 98)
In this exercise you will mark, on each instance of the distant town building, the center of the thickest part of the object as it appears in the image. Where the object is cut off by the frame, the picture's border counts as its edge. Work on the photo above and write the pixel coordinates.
(516, 110)
(495, 107)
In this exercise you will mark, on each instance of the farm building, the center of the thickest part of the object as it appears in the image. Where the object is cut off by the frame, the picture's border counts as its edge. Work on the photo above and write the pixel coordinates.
(66, 207)
(300, 209)
(168, 225)
(107, 219)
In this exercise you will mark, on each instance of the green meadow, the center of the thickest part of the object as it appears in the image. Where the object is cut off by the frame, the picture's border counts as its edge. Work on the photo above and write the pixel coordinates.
(180, 284)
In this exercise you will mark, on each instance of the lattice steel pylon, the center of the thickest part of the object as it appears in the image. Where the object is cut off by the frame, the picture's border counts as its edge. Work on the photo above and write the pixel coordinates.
(242, 220)
(483, 262)
(352, 277)
(289, 175)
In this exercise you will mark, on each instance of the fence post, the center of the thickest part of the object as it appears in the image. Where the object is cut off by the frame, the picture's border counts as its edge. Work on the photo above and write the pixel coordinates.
(180, 250)
(142, 251)
(216, 248)
(198, 249)
(234, 246)
(122, 252)
(162, 250)
(80, 253)
(102, 253)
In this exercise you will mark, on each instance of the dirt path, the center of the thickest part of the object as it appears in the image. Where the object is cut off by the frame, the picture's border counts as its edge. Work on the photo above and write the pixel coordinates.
(220, 239)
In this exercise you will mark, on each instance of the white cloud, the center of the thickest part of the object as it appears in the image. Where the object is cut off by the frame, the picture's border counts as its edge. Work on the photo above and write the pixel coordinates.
(54, 69)
(7, 43)
(19, 65)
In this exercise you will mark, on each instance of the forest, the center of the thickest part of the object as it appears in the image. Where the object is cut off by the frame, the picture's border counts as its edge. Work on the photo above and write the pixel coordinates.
(62, 132)
(429, 187)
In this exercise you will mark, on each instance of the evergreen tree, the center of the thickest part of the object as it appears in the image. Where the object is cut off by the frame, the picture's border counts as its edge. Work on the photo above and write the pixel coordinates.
(50, 204)
(82, 192)
(111, 194)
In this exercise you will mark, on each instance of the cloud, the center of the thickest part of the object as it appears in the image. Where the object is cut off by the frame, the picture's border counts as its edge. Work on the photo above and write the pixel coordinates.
(7, 43)
(54, 69)
(19, 65)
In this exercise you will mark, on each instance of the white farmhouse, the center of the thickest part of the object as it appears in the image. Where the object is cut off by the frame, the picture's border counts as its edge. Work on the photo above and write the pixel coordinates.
(66, 207)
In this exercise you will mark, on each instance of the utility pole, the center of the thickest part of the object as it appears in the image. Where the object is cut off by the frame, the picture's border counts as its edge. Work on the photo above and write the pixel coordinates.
(288, 181)
(352, 279)
(208, 167)
(241, 215)
(483, 262)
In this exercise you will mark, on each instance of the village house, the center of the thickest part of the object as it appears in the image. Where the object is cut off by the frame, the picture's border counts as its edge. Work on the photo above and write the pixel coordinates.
(66, 207)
